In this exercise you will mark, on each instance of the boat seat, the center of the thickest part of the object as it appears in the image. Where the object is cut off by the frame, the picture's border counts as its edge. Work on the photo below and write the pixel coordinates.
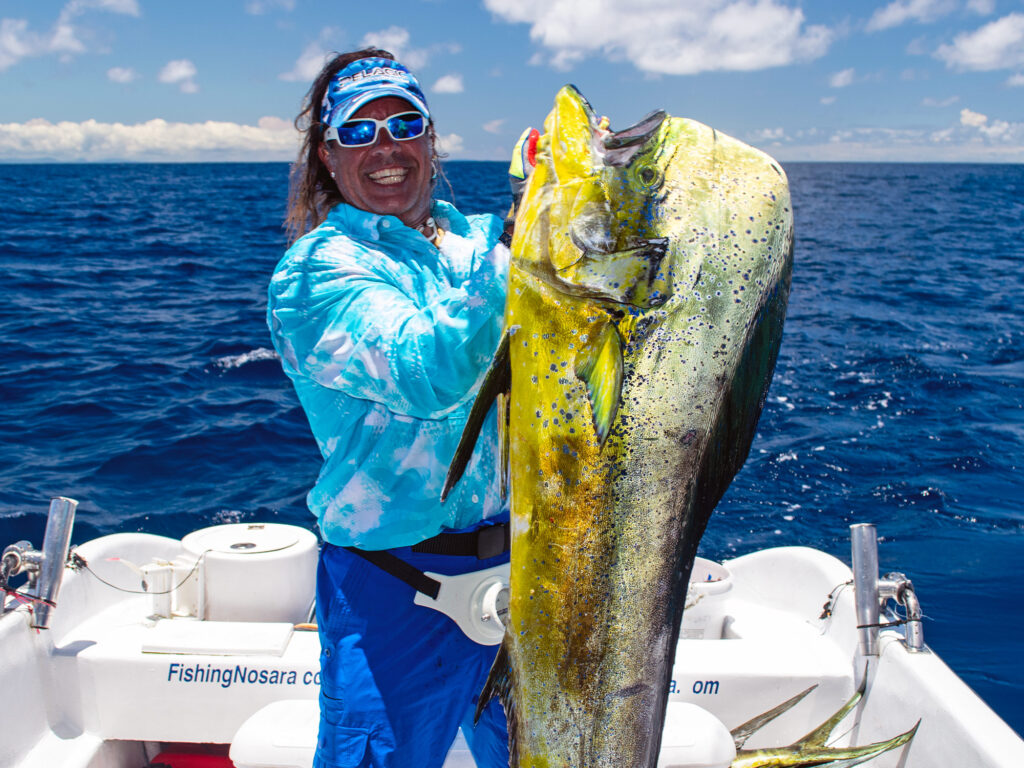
(281, 735)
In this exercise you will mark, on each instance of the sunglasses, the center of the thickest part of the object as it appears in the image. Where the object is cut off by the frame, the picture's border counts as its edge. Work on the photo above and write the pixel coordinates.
(363, 132)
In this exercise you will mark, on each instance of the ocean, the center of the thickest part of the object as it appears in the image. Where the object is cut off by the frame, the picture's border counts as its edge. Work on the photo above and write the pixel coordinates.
(138, 375)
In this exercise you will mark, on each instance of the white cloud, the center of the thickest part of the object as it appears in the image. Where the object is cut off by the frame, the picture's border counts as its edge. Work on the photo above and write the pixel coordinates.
(128, 7)
(449, 84)
(902, 11)
(450, 144)
(259, 7)
(983, 7)
(947, 102)
(999, 141)
(181, 71)
(309, 63)
(17, 42)
(1016, 80)
(997, 45)
(396, 40)
(122, 74)
(667, 36)
(765, 135)
(842, 78)
(494, 126)
(826, 100)
(995, 131)
(918, 47)
(155, 140)
(975, 119)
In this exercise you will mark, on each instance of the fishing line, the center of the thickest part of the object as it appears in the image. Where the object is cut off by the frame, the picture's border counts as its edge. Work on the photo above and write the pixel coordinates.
(833, 598)
(77, 561)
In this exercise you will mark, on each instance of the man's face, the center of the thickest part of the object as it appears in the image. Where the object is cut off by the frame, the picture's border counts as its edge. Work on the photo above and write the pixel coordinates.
(388, 176)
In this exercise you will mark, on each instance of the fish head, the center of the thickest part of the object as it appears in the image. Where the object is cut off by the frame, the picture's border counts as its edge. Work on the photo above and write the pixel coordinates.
(586, 223)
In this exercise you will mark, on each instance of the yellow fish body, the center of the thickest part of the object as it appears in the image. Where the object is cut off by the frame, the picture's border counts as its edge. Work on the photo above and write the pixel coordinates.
(648, 287)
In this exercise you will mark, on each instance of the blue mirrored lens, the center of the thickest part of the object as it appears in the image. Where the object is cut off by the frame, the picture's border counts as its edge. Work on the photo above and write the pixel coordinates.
(407, 126)
(355, 133)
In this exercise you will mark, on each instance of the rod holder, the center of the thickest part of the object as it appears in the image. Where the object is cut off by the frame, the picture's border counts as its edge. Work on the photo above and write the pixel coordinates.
(55, 554)
(864, 544)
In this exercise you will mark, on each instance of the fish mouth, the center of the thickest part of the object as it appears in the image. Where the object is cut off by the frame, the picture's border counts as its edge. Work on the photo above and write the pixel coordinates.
(620, 147)
(389, 176)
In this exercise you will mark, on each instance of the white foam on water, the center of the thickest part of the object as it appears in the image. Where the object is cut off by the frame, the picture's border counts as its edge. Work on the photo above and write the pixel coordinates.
(228, 362)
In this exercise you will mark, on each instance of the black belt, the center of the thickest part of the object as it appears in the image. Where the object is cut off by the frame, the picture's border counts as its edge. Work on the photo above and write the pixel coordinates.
(483, 543)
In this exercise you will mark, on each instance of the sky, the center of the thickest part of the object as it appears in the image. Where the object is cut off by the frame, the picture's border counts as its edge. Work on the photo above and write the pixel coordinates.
(180, 80)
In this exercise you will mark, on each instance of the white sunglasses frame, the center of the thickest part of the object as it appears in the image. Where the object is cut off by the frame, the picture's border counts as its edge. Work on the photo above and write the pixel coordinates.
(331, 132)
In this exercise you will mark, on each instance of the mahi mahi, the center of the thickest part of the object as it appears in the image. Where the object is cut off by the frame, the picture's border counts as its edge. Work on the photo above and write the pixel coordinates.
(647, 292)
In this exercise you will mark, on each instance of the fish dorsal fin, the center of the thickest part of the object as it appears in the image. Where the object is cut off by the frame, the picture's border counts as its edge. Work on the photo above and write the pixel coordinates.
(600, 368)
(501, 683)
(498, 380)
(503, 446)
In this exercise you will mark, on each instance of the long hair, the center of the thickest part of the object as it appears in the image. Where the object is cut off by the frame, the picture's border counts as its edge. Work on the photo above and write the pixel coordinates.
(311, 190)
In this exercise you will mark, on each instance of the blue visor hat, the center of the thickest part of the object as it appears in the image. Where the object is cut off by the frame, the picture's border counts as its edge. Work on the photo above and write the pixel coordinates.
(363, 81)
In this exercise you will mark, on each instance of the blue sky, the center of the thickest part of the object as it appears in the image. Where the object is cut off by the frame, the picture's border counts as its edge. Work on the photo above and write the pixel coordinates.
(921, 80)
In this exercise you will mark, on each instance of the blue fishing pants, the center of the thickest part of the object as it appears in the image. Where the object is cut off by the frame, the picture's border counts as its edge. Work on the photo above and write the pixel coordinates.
(398, 679)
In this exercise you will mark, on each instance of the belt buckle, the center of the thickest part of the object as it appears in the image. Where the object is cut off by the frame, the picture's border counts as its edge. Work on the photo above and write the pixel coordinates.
(490, 541)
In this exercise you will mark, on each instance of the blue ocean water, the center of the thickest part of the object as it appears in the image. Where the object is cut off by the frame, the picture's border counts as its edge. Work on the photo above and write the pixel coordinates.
(137, 374)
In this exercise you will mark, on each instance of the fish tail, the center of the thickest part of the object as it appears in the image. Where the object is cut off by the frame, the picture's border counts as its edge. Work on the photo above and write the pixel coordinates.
(804, 756)
(741, 733)
(820, 735)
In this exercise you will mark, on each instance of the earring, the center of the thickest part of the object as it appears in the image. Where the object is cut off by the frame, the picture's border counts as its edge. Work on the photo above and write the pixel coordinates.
(333, 175)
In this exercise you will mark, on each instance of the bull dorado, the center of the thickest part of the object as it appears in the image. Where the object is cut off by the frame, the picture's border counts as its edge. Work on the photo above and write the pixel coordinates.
(647, 292)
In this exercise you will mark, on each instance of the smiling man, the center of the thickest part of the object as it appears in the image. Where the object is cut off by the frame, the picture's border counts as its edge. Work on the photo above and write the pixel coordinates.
(385, 314)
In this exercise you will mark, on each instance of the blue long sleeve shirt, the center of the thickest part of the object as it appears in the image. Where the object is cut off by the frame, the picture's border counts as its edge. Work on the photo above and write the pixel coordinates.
(386, 339)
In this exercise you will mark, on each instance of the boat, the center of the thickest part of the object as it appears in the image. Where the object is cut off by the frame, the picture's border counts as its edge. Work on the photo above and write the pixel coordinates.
(136, 650)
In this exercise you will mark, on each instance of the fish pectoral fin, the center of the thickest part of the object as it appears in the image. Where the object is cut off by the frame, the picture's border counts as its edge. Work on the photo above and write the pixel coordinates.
(600, 368)
(498, 380)
(741, 733)
(500, 683)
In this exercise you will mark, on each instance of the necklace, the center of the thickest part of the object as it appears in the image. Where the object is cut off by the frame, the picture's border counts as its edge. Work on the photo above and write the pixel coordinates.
(431, 231)
(428, 228)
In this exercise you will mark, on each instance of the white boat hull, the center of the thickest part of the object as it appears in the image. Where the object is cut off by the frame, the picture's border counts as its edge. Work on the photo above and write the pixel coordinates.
(107, 686)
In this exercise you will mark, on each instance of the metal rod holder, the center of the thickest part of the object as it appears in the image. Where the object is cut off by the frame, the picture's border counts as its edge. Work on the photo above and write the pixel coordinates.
(864, 544)
(873, 593)
(55, 554)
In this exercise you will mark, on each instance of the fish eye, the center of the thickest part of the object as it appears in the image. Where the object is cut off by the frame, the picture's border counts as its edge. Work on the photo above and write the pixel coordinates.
(648, 175)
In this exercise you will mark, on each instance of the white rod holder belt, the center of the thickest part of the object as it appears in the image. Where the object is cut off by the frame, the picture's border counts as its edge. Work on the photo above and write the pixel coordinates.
(864, 545)
(55, 554)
